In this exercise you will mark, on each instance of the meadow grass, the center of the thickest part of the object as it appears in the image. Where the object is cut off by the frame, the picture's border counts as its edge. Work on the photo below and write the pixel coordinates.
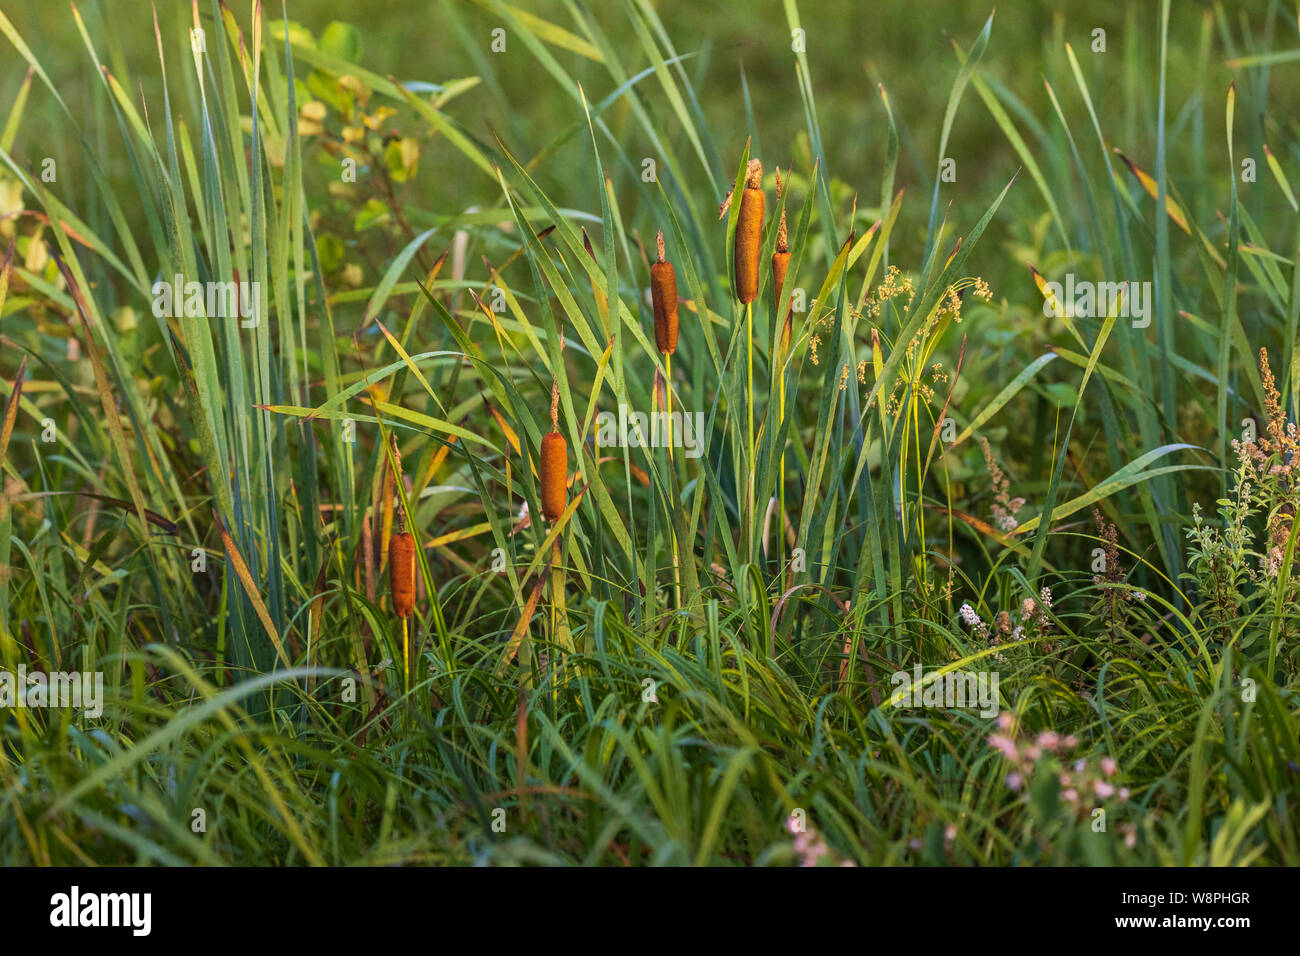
(618, 654)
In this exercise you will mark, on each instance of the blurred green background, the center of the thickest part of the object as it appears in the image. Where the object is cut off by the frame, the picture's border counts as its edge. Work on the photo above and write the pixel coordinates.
(904, 44)
(739, 59)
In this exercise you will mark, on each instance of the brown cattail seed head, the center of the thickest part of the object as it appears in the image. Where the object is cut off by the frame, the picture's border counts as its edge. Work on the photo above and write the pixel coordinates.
(555, 475)
(749, 234)
(555, 462)
(782, 232)
(401, 572)
(663, 296)
(781, 261)
(780, 264)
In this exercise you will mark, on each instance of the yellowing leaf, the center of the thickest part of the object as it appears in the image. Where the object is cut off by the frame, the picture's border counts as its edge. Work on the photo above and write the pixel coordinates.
(1152, 187)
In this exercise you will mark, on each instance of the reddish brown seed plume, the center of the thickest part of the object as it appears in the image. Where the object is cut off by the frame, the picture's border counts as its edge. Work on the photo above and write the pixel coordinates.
(663, 297)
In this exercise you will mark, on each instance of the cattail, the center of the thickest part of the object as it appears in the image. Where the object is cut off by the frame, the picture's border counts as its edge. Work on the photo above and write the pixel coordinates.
(663, 296)
(781, 262)
(401, 571)
(749, 230)
(555, 463)
(401, 545)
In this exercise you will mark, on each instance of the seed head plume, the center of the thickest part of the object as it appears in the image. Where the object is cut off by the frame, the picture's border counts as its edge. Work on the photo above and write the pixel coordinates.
(782, 233)
(781, 264)
(397, 454)
(397, 477)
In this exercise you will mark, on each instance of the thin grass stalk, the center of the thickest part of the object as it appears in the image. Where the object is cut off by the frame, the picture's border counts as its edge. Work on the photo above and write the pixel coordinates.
(748, 239)
(753, 453)
(672, 503)
(780, 264)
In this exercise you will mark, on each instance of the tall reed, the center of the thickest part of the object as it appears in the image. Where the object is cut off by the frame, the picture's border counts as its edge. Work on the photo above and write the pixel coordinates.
(401, 570)
(780, 265)
(663, 299)
(749, 238)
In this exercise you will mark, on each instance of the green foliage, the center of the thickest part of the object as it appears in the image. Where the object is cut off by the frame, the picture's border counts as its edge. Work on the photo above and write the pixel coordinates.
(698, 662)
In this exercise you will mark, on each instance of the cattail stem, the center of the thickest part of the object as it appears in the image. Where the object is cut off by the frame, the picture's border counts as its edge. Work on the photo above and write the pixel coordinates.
(780, 265)
(560, 634)
(753, 451)
(406, 654)
(782, 347)
(780, 475)
(555, 592)
(668, 400)
(672, 526)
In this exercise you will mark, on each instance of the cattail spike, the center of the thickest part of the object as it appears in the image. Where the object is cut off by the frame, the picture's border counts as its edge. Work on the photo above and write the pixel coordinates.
(401, 549)
(555, 463)
(663, 300)
(401, 572)
(749, 234)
